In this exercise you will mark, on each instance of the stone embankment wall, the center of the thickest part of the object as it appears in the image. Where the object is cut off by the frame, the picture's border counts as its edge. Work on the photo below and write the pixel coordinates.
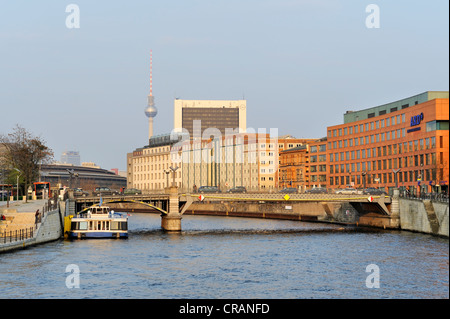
(50, 229)
(424, 216)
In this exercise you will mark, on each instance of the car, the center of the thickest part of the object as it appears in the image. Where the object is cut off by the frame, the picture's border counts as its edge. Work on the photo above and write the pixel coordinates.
(79, 192)
(104, 191)
(131, 191)
(237, 189)
(348, 191)
(289, 190)
(317, 190)
(209, 189)
(374, 191)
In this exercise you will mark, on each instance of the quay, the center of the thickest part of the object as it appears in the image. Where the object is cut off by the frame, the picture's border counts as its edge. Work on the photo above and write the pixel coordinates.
(22, 227)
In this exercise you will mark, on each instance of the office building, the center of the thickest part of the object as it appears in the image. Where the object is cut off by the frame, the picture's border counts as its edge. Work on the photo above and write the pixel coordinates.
(70, 157)
(404, 143)
(196, 116)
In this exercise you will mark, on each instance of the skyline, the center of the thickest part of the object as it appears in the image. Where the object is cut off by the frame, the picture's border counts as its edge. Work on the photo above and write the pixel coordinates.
(299, 64)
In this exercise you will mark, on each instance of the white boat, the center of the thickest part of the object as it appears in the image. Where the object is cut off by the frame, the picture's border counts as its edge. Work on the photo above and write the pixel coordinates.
(99, 222)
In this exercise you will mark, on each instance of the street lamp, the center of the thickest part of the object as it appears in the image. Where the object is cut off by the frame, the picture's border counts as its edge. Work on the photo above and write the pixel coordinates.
(167, 171)
(396, 176)
(20, 173)
(173, 169)
(364, 178)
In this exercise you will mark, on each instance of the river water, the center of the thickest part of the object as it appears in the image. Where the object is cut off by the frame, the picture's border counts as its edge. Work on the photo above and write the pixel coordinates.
(225, 257)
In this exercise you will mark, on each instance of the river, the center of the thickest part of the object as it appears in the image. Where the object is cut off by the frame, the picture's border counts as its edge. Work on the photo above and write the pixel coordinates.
(226, 257)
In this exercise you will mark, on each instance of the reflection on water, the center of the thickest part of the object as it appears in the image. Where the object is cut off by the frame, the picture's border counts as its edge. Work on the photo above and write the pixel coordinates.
(224, 257)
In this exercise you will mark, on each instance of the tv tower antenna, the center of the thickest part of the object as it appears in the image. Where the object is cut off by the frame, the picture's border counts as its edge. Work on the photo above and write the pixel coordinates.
(150, 110)
(151, 72)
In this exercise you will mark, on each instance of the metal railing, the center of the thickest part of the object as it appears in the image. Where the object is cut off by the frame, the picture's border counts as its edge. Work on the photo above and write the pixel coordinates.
(28, 232)
(16, 235)
(438, 197)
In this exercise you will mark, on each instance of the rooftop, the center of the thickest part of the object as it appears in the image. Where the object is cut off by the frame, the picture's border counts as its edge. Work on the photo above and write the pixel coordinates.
(353, 116)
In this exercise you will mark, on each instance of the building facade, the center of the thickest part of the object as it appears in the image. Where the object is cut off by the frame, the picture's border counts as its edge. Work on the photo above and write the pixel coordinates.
(209, 114)
(404, 144)
(148, 167)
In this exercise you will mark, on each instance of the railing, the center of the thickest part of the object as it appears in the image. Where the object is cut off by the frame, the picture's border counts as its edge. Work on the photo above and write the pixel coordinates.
(438, 197)
(16, 235)
(28, 232)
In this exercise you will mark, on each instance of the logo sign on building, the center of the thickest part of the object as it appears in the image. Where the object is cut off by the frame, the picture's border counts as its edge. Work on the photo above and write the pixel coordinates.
(415, 121)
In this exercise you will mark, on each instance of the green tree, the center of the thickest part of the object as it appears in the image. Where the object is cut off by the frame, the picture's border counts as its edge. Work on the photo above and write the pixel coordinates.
(24, 152)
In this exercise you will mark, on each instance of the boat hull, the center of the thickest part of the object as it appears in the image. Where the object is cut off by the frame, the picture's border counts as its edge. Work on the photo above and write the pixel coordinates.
(94, 234)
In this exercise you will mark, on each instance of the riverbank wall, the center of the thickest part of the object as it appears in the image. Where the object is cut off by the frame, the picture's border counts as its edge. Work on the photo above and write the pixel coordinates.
(424, 216)
(48, 229)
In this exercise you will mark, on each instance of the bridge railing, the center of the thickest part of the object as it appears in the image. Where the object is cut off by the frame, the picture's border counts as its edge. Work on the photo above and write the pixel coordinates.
(437, 197)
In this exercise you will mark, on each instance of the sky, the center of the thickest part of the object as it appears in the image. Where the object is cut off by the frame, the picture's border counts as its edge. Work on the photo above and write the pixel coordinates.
(299, 64)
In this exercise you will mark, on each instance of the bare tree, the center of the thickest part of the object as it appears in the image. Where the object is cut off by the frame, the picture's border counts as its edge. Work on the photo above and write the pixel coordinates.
(24, 152)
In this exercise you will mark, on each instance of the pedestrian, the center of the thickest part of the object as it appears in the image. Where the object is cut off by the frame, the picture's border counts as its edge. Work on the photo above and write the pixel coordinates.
(195, 188)
(36, 217)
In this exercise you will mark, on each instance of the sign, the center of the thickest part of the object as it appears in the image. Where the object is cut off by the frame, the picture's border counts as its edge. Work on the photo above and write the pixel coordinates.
(201, 198)
(286, 197)
(370, 199)
(415, 120)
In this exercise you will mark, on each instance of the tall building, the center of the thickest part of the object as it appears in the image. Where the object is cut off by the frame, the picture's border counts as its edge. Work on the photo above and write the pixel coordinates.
(198, 115)
(70, 157)
(150, 110)
(404, 143)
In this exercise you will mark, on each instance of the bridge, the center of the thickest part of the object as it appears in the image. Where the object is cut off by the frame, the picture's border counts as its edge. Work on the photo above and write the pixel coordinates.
(172, 205)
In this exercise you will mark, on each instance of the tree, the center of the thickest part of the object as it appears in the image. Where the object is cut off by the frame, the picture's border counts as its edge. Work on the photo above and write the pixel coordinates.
(24, 152)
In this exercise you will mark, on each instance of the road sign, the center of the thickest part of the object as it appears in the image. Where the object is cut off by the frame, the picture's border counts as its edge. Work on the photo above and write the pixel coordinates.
(201, 198)
(286, 197)
(370, 199)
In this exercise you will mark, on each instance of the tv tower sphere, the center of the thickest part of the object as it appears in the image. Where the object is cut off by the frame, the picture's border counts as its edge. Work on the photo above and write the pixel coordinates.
(151, 110)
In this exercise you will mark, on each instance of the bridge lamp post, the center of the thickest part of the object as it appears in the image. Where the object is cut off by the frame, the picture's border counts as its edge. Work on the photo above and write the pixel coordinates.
(167, 176)
(396, 176)
(364, 178)
(173, 169)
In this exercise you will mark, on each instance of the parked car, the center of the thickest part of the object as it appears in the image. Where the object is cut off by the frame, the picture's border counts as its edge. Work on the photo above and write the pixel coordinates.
(374, 191)
(77, 192)
(104, 191)
(131, 191)
(289, 190)
(348, 191)
(209, 189)
(317, 190)
(237, 189)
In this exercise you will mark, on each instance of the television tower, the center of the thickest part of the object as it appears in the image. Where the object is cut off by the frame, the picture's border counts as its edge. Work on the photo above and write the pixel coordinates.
(150, 110)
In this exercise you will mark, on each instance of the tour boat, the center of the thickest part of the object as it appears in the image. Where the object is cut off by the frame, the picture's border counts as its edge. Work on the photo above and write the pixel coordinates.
(99, 222)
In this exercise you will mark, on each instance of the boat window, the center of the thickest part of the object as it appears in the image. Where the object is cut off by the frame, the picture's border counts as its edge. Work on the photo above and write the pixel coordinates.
(83, 225)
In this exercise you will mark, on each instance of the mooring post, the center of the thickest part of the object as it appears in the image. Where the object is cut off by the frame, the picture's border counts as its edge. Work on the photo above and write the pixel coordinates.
(172, 220)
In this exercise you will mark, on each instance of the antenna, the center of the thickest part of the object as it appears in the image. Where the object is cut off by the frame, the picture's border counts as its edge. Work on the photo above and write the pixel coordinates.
(151, 75)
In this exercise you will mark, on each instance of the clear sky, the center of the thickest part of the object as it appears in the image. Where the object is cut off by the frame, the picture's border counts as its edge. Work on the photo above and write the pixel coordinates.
(300, 64)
